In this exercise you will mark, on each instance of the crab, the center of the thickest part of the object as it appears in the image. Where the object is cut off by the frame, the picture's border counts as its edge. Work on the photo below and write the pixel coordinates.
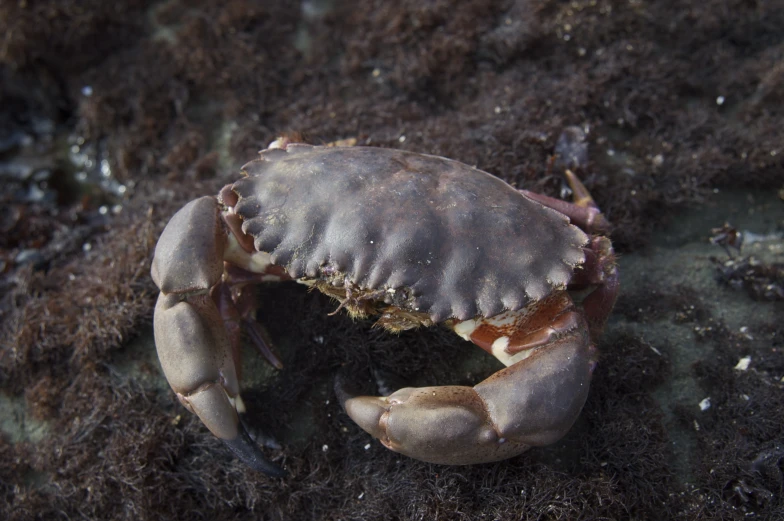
(415, 240)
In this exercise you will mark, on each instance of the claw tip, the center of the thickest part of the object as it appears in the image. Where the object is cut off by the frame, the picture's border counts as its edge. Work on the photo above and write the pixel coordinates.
(250, 454)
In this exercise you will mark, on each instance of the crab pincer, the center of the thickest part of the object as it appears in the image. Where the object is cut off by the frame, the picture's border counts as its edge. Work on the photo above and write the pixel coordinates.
(190, 336)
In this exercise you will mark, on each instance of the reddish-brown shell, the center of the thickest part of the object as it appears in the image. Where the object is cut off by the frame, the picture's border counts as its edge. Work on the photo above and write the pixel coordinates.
(457, 241)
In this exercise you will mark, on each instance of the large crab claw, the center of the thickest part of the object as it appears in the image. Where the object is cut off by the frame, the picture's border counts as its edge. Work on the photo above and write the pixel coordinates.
(191, 339)
(533, 402)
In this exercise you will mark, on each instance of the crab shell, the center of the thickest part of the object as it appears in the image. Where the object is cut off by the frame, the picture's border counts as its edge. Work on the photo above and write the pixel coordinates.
(438, 236)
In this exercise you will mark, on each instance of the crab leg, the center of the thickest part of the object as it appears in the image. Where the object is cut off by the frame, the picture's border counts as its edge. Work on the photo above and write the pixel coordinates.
(584, 212)
(534, 401)
(599, 270)
(192, 342)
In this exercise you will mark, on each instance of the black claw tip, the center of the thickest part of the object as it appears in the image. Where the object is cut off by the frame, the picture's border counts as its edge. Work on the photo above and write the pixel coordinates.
(246, 450)
(341, 392)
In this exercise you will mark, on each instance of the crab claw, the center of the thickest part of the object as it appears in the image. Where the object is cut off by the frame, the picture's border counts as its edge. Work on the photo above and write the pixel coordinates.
(533, 402)
(191, 339)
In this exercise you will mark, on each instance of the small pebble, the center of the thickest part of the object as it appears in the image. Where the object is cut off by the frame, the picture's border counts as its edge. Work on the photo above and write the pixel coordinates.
(743, 363)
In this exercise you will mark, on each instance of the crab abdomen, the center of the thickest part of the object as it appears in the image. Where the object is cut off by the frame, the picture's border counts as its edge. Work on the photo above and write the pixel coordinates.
(458, 242)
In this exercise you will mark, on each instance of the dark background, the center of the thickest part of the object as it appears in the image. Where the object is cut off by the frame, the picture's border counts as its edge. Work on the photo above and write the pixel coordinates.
(113, 114)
